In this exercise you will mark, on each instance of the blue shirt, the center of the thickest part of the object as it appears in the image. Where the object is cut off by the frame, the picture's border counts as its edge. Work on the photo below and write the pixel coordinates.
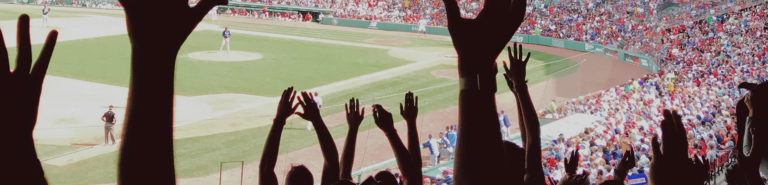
(451, 138)
(226, 34)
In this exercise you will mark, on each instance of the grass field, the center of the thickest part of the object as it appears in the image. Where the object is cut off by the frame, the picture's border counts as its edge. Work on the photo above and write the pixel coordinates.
(286, 62)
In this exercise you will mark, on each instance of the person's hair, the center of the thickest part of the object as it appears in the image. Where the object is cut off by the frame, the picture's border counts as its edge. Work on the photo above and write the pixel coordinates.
(515, 157)
(581, 179)
(385, 177)
(299, 175)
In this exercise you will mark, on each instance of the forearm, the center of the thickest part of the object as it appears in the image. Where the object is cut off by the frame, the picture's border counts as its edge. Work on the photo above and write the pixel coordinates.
(23, 160)
(520, 120)
(330, 153)
(533, 132)
(401, 154)
(480, 149)
(348, 156)
(414, 149)
(147, 149)
(271, 149)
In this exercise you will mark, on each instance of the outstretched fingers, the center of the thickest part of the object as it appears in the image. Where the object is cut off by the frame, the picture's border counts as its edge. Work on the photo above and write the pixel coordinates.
(41, 65)
(452, 12)
(24, 58)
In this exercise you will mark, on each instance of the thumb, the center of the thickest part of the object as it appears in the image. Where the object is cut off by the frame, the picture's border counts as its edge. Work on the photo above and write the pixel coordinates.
(204, 6)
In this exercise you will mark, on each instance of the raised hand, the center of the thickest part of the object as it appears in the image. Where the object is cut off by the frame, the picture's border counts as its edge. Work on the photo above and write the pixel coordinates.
(21, 89)
(484, 37)
(284, 109)
(354, 117)
(627, 162)
(157, 29)
(514, 74)
(670, 163)
(572, 165)
(163, 25)
(267, 174)
(411, 109)
(354, 112)
(383, 119)
(308, 104)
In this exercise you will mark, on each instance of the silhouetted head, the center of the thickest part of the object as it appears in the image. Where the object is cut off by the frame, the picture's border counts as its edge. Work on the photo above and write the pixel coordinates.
(299, 175)
(369, 181)
(514, 162)
(345, 182)
(386, 178)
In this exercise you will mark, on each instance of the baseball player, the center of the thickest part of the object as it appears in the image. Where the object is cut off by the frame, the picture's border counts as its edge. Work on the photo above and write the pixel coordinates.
(422, 27)
(109, 121)
(226, 34)
(46, 10)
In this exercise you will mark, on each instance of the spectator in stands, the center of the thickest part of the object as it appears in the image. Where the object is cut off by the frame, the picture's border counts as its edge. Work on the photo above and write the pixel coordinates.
(22, 88)
(405, 157)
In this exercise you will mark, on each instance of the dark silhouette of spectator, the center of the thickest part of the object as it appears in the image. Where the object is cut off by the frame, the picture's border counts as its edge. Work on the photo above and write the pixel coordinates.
(328, 147)
(146, 154)
(410, 112)
(267, 174)
(384, 121)
(751, 158)
(670, 163)
(21, 89)
(529, 122)
(480, 153)
(355, 115)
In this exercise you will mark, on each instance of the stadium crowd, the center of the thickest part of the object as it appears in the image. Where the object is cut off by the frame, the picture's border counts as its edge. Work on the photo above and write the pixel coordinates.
(668, 125)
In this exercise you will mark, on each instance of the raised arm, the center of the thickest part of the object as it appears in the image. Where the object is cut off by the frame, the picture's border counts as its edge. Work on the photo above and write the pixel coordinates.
(670, 163)
(157, 29)
(627, 162)
(21, 91)
(515, 75)
(478, 42)
(267, 174)
(355, 115)
(384, 121)
(410, 111)
(327, 145)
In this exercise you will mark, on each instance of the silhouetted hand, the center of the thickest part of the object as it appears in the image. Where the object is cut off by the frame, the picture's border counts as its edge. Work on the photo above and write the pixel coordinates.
(284, 109)
(627, 162)
(484, 37)
(670, 163)
(355, 113)
(21, 91)
(164, 25)
(311, 110)
(572, 165)
(514, 74)
(383, 119)
(411, 109)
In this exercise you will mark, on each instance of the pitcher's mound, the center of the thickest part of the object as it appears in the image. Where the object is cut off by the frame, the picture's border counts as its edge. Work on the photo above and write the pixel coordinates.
(232, 56)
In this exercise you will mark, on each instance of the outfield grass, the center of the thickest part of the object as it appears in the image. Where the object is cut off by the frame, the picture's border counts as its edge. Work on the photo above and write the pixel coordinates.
(199, 156)
(331, 34)
(46, 151)
(286, 62)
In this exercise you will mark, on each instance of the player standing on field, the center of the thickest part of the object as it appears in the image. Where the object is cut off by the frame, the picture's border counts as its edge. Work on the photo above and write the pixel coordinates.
(109, 121)
(46, 10)
(226, 34)
(422, 27)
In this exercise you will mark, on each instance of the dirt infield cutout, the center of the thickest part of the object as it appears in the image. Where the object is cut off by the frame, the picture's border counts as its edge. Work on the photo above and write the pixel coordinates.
(232, 56)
